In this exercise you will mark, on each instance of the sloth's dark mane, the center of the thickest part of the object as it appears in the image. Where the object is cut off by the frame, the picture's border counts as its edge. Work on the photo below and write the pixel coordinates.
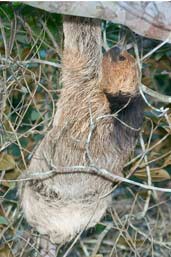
(130, 112)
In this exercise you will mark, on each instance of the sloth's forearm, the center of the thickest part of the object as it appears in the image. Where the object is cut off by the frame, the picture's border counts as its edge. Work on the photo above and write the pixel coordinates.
(82, 48)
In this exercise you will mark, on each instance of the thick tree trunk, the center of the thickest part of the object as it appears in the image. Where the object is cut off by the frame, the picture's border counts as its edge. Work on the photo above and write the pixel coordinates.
(149, 19)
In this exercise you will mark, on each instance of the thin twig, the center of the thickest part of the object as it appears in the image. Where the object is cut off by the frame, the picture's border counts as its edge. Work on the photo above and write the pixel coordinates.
(83, 169)
(33, 60)
(156, 95)
(148, 176)
(156, 48)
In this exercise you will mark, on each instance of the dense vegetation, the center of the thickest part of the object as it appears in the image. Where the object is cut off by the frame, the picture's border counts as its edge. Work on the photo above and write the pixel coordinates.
(139, 221)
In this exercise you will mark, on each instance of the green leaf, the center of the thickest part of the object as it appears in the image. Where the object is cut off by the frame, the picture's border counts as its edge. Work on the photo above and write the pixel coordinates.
(35, 115)
(3, 221)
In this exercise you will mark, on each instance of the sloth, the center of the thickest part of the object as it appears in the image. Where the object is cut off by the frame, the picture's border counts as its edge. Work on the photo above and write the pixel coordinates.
(98, 117)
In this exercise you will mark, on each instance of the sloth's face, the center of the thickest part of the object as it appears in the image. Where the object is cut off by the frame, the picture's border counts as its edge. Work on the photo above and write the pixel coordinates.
(120, 72)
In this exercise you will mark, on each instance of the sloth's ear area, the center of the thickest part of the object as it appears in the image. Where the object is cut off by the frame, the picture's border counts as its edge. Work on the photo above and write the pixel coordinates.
(119, 72)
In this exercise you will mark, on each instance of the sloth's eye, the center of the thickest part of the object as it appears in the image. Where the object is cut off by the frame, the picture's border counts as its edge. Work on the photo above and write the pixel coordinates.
(121, 58)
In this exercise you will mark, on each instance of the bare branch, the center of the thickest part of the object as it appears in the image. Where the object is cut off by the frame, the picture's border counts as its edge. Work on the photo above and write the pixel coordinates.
(84, 169)
(156, 95)
(150, 19)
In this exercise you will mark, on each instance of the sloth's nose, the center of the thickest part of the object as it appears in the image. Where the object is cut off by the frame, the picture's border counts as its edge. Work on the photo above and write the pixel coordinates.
(116, 50)
(114, 53)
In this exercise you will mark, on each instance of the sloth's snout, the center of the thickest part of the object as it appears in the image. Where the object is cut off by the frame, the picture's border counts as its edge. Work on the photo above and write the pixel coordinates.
(114, 53)
(116, 50)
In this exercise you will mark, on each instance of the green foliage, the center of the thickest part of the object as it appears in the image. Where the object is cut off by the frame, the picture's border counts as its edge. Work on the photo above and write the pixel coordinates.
(3, 221)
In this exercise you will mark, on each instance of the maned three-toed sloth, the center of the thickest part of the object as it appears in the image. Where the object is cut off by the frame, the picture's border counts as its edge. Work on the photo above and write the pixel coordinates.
(94, 87)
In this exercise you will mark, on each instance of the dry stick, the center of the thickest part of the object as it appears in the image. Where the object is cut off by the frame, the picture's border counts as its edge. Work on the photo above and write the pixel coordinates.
(156, 48)
(83, 169)
(4, 38)
(162, 111)
(157, 159)
(18, 142)
(144, 156)
(30, 131)
(53, 105)
(147, 237)
(53, 112)
(7, 244)
(33, 35)
(100, 239)
(105, 44)
(114, 115)
(4, 73)
(50, 35)
(29, 103)
(30, 244)
(147, 201)
(150, 148)
(25, 246)
(13, 30)
(92, 127)
(156, 95)
(84, 248)
(32, 60)
(50, 251)
(120, 226)
(36, 40)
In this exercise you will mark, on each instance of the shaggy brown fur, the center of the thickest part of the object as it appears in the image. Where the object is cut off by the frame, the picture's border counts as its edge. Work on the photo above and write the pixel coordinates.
(65, 204)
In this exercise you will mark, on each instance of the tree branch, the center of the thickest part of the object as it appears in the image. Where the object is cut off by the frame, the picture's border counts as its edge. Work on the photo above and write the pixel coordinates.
(149, 19)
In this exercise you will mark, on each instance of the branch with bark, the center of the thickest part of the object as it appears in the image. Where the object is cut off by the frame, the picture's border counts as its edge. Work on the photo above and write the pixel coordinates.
(149, 19)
